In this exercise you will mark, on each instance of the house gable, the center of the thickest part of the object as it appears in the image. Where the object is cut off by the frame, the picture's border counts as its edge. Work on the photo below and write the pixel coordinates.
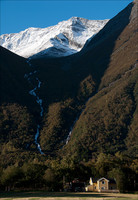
(102, 185)
(103, 179)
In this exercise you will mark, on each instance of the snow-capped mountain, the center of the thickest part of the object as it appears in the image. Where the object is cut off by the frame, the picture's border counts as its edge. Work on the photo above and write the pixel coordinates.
(65, 38)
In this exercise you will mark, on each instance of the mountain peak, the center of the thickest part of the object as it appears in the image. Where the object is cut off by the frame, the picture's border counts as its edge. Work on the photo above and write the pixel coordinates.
(74, 19)
(65, 38)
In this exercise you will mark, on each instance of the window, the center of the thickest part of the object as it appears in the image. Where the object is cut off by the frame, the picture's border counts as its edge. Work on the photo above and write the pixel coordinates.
(103, 188)
(103, 182)
(95, 187)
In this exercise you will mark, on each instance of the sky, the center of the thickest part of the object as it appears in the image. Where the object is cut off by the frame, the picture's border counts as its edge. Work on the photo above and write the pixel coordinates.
(19, 15)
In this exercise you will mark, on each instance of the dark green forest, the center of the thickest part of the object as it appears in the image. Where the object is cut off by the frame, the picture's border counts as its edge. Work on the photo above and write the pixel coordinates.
(48, 175)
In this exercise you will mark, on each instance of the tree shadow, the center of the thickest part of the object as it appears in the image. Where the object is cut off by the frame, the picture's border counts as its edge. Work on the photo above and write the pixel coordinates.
(43, 194)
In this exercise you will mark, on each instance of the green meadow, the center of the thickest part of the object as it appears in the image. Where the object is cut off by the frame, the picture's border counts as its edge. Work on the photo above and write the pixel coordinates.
(65, 196)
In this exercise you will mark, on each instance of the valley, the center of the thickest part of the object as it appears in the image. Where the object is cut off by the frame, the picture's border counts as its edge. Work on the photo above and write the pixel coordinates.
(69, 107)
(62, 87)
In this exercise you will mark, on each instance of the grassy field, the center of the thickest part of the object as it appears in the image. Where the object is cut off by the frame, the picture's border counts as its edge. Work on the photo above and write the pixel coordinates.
(65, 196)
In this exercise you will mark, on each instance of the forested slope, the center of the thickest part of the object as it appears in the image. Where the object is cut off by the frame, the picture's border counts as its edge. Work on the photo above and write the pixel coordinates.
(17, 108)
(109, 122)
(107, 61)
(89, 98)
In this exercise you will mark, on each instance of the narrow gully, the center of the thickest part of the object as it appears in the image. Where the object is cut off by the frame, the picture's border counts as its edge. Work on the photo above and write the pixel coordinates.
(38, 100)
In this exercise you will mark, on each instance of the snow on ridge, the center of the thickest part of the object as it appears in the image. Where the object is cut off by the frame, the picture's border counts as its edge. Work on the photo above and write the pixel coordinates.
(67, 37)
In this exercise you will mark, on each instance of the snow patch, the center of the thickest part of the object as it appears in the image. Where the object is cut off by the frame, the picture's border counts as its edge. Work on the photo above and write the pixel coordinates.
(70, 36)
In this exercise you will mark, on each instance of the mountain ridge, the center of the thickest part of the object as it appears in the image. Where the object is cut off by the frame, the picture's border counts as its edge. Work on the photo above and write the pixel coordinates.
(65, 38)
(89, 98)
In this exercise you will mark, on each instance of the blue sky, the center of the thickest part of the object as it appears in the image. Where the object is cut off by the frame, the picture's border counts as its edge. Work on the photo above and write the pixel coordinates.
(19, 15)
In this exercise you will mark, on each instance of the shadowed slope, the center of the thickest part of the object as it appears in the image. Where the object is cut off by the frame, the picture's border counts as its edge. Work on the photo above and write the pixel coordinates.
(68, 82)
(14, 88)
(104, 70)
(17, 107)
(108, 124)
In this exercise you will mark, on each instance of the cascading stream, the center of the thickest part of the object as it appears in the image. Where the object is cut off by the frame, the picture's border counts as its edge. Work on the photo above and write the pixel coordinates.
(38, 100)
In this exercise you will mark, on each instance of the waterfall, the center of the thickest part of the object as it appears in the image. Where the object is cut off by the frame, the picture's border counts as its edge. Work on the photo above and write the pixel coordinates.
(38, 101)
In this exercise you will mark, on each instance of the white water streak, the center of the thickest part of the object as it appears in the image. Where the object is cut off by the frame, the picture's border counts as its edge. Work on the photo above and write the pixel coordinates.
(38, 100)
